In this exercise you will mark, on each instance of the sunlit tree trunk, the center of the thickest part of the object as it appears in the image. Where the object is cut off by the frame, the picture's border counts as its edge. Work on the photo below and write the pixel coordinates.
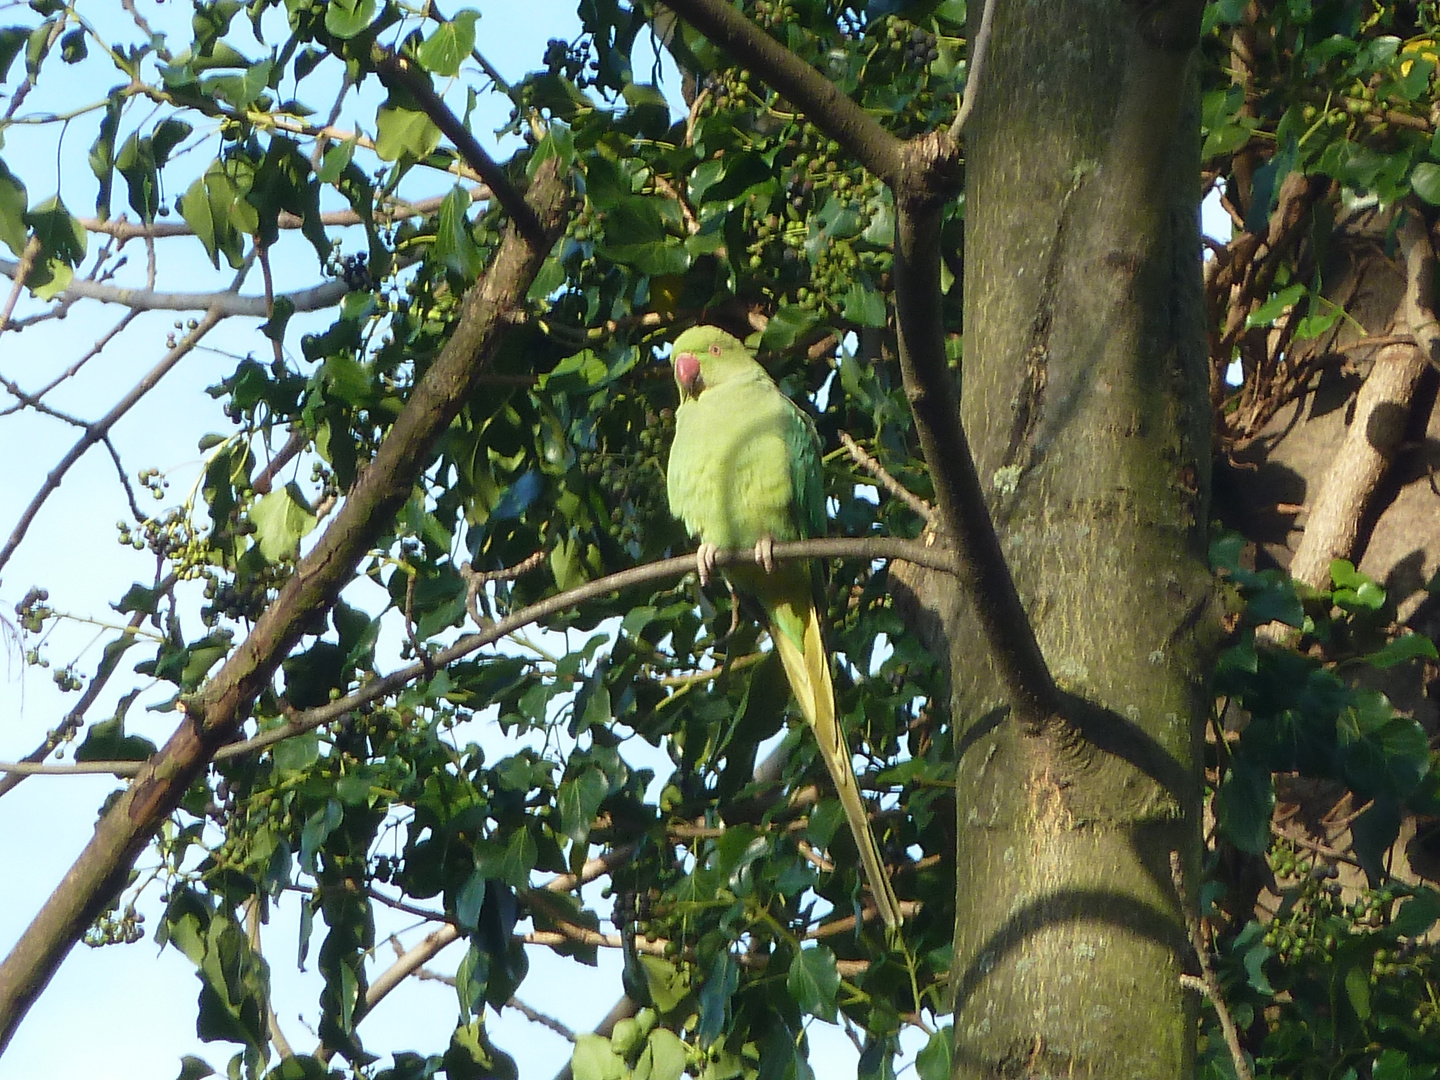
(1085, 396)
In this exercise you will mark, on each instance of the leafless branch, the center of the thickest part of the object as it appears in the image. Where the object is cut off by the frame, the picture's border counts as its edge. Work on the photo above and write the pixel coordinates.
(475, 580)
(226, 303)
(975, 65)
(22, 271)
(97, 431)
(1209, 985)
(867, 461)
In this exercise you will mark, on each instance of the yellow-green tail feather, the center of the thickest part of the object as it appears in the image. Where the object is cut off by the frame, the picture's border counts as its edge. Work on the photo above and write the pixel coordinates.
(808, 667)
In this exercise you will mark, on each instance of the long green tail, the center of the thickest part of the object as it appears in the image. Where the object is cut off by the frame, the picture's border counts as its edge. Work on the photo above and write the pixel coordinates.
(795, 629)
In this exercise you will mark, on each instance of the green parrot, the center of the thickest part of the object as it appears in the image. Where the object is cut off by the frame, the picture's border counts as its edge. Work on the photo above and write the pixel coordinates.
(745, 472)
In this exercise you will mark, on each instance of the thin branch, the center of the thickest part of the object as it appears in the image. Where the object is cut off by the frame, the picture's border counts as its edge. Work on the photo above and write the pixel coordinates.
(475, 580)
(975, 64)
(97, 431)
(123, 229)
(22, 271)
(396, 71)
(816, 96)
(252, 930)
(535, 1016)
(265, 479)
(866, 461)
(33, 400)
(76, 716)
(1208, 983)
(932, 390)
(934, 558)
(226, 303)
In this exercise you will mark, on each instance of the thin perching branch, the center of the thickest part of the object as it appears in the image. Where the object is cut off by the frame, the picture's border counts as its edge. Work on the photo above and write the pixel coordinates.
(935, 558)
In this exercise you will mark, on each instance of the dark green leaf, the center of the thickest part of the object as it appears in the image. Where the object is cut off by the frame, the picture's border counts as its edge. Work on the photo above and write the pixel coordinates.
(814, 981)
(1244, 803)
(13, 231)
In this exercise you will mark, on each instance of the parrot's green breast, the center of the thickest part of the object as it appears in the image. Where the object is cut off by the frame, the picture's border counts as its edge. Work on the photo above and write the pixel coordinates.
(744, 465)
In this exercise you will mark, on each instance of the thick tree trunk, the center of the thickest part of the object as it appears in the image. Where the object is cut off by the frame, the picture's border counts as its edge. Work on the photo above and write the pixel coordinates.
(1085, 393)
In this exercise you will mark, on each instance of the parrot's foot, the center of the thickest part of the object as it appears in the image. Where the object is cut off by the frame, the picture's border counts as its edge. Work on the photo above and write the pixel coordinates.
(705, 563)
(765, 553)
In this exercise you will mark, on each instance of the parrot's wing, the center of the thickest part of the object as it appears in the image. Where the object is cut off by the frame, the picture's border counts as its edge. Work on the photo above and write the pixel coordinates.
(806, 484)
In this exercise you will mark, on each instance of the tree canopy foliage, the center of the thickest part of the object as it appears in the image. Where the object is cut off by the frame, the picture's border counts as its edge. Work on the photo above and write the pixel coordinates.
(456, 430)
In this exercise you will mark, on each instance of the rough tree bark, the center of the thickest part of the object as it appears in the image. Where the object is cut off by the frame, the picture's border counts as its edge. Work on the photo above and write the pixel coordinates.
(1085, 396)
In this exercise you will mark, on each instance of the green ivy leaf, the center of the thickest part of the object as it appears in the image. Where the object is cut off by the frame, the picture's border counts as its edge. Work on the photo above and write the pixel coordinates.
(12, 40)
(595, 1059)
(404, 133)
(107, 741)
(13, 231)
(1405, 647)
(470, 900)
(449, 46)
(1417, 914)
(814, 981)
(933, 1060)
(1277, 305)
(61, 235)
(281, 519)
(454, 246)
(664, 1057)
(346, 18)
(1425, 181)
(578, 800)
(1357, 988)
(715, 994)
(1244, 803)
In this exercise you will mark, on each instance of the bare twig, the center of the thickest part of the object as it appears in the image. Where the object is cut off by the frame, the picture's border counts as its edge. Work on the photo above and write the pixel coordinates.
(97, 431)
(867, 461)
(475, 580)
(1209, 985)
(225, 303)
(975, 65)
(123, 229)
(535, 1016)
(22, 271)
(33, 399)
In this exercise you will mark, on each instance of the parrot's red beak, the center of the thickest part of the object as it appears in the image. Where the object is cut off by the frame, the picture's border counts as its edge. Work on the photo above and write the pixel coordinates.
(687, 372)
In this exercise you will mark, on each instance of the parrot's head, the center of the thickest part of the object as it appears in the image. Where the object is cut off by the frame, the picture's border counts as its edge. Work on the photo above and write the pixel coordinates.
(706, 356)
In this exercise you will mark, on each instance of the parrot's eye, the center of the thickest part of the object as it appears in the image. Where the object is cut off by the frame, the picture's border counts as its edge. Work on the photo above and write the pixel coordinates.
(715, 349)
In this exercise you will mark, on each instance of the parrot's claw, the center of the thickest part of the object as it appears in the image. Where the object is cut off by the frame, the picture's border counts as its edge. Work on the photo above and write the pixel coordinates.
(765, 553)
(705, 563)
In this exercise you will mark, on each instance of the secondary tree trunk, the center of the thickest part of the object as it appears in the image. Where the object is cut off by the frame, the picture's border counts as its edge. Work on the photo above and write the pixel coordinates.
(1085, 393)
